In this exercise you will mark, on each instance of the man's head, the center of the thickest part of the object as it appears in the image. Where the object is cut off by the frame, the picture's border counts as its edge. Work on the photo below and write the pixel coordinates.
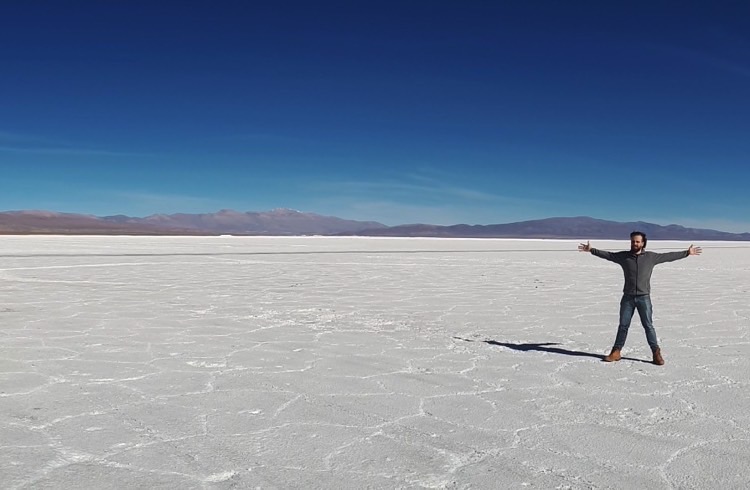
(638, 241)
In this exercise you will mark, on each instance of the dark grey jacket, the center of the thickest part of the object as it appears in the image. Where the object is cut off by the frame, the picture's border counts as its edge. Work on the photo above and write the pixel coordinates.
(638, 267)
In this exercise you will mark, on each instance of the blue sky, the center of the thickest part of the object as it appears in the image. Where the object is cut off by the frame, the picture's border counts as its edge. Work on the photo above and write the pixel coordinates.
(400, 112)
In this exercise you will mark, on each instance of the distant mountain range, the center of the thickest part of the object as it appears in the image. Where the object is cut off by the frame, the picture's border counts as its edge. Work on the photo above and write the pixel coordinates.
(581, 227)
(275, 222)
(287, 222)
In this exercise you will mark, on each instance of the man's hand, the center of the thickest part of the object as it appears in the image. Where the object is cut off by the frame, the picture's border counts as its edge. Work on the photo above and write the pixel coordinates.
(586, 247)
(694, 250)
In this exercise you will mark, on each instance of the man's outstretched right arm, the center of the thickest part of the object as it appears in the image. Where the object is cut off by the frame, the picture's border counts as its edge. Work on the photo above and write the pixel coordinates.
(586, 247)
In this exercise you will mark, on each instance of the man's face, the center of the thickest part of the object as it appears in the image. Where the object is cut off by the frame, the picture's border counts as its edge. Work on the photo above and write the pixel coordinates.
(636, 244)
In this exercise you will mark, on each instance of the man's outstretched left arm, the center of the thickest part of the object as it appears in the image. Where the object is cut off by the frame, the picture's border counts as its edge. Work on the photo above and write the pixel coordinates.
(672, 256)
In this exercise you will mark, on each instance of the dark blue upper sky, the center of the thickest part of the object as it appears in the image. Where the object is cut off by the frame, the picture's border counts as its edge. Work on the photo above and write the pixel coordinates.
(408, 111)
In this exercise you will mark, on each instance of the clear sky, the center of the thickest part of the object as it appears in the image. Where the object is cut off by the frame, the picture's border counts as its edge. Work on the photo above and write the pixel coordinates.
(402, 111)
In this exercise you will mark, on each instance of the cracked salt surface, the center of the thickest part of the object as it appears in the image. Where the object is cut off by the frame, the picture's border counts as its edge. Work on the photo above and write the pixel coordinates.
(228, 362)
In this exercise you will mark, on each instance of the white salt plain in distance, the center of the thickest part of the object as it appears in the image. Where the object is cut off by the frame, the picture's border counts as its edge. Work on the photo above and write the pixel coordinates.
(311, 362)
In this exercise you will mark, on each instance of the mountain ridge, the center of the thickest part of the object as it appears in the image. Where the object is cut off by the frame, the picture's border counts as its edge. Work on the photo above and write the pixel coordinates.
(561, 228)
(289, 222)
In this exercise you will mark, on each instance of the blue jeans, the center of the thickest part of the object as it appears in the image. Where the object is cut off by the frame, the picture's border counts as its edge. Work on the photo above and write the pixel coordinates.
(628, 304)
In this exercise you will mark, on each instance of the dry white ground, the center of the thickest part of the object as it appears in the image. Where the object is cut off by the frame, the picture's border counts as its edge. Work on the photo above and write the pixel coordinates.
(308, 362)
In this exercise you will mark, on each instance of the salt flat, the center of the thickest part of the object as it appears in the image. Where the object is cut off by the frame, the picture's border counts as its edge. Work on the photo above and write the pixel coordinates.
(309, 362)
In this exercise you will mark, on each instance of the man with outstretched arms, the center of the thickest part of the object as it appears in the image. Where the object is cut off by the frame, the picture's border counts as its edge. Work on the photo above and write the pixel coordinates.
(637, 265)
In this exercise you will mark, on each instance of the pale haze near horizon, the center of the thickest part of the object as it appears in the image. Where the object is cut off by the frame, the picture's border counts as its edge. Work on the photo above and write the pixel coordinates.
(349, 362)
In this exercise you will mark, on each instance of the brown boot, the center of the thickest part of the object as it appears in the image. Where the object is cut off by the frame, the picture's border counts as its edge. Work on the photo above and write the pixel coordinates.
(613, 356)
(658, 359)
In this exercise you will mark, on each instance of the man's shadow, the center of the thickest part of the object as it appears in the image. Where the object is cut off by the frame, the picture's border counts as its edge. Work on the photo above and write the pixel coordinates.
(545, 347)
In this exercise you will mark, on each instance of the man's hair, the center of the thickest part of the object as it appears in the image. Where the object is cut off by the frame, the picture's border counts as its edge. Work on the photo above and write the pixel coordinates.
(642, 235)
